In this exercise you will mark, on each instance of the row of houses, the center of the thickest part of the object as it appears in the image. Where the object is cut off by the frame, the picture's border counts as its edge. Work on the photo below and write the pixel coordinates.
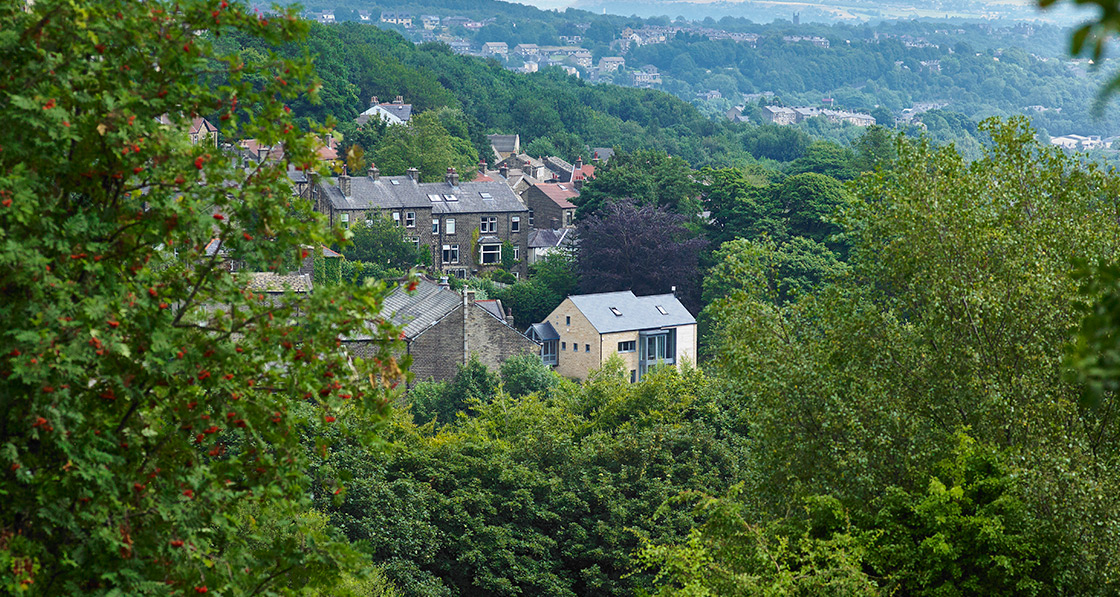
(782, 115)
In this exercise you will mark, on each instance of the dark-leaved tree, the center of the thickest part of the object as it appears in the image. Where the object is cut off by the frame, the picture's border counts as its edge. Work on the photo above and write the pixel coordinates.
(645, 249)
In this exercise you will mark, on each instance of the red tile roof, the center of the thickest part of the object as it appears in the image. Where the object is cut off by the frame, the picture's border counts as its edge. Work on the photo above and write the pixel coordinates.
(560, 196)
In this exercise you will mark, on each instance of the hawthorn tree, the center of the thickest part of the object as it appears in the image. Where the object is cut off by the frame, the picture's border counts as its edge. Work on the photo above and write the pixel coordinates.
(146, 395)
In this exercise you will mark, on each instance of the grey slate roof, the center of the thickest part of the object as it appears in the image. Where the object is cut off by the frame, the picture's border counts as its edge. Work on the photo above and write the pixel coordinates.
(543, 332)
(418, 311)
(637, 312)
(270, 282)
(366, 193)
(504, 143)
(541, 238)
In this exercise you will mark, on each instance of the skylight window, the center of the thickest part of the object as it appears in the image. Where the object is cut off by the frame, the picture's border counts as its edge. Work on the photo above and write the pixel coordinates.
(562, 187)
(616, 311)
(396, 182)
(450, 198)
(433, 197)
(486, 195)
(662, 310)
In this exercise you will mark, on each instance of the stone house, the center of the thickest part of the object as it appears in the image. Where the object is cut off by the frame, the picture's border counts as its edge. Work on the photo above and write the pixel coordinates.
(395, 112)
(495, 48)
(465, 225)
(529, 165)
(443, 329)
(610, 64)
(397, 18)
(645, 331)
(504, 145)
(429, 22)
(204, 132)
(550, 205)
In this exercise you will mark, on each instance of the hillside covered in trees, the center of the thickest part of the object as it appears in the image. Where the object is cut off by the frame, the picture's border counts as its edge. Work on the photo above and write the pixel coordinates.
(907, 382)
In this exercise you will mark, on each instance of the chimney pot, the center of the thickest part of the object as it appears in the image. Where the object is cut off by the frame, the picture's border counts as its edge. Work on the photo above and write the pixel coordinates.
(344, 184)
(400, 99)
(482, 167)
(452, 177)
(504, 171)
(413, 174)
(555, 223)
(373, 101)
(374, 173)
(443, 283)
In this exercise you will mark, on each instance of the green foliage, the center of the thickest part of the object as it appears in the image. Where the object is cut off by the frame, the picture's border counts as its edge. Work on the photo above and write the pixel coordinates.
(327, 271)
(809, 201)
(525, 374)
(383, 244)
(969, 533)
(474, 384)
(145, 395)
(647, 177)
(425, 144)
(958, 315)
(537, 496)
(551, 280)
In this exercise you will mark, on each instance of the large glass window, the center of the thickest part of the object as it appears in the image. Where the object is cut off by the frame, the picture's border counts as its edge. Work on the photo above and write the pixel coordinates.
(449, 226)
(627, 346)
(345, 220)
(435, 225)
(656, 348)
(491, 254)
(548, 352)
(410, 219)
(515, 224)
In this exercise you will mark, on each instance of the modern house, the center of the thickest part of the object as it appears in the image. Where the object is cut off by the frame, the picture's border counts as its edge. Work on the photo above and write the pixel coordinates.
(645, 331)
(466, 225)
(443, 329)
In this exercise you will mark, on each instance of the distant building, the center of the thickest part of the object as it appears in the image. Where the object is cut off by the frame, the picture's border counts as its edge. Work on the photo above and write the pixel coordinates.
(397, 18)
(550, 205)
(396, 112)
(495, 48)
(610, 64)
(429, 22)
(1079, 142)
(505, 145)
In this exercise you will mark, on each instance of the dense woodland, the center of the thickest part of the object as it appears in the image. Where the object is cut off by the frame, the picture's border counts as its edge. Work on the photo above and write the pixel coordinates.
(907, 381)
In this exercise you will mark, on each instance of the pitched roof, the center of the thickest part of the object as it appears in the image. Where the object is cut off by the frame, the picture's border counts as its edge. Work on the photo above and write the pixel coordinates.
(541, 238)
(270, 282)
(544, 331)
(504, 143)
(201, 125)
(493, 307)
(400, 110)
(469, 197)
(621, 311)
(417, 311)
(560, 194)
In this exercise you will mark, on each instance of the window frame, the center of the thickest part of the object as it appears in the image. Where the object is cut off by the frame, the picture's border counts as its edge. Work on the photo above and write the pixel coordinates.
(492, 249)
(450, 253)
(449, 226)
(435, 225)
(488, 225)
(515, 224)
(409, 219)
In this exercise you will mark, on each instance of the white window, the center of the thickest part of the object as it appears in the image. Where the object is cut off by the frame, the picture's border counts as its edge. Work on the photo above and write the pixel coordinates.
(416, 242)
(397, 217)
(516, 253)
(435, 225)
(515, 224)
(568, 218)
(530, 218)
(491, 254)
(345, 218)
(451, 254)
(410, 219)
(488, 224)
(450, 226)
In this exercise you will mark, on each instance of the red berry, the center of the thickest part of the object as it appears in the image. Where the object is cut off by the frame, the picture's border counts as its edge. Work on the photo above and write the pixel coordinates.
(176, 543)
(189, 493)
(219, 217)
(198, 162)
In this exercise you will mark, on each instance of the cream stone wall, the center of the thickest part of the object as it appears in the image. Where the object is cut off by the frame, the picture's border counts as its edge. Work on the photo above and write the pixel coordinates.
(630, 359)
(580, 332)
(686, 344)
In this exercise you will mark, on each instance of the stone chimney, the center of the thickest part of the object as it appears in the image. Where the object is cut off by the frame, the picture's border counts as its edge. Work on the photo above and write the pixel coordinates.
(595, 158)
(413, 174)
(443, 282)
(509, 318)
(400, 99)
(374, 173)
(579, 164)
(452, 177)
(555, 223)
(504, 171)
(482, 167)
(373, 101)
(344, 184)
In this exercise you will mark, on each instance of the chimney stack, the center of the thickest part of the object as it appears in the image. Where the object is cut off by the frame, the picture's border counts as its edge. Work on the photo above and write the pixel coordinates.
(555, 223)
(400, 99)
(373, 101)
(595, 158)
(504, 171)
(482, 167)
(413, 174)
(579, 163)
(452, 177)
(374, 173)
(344, 184)
(443, 283)
(509, 317)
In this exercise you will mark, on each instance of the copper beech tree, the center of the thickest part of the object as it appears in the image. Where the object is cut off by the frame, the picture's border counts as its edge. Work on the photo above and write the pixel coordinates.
(146, 396)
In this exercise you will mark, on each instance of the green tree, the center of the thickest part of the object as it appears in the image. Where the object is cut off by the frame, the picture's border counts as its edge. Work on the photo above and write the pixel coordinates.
(810, 201)
(383, 245)
(426, 145)
(145, 394)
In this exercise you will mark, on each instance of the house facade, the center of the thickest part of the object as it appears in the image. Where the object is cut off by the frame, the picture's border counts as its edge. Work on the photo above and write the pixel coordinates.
(644, 331)
(444, 329)
(465, 225)
(550, 205)
(395, 112)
